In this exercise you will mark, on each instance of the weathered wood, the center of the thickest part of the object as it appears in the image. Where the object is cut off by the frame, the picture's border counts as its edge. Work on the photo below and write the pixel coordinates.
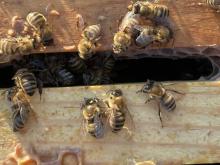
(195, 25)
(191, 132)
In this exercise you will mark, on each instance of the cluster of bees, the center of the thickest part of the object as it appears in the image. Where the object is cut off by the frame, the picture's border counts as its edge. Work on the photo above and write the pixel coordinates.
(35, 33)
(113, 109)
(145, 23)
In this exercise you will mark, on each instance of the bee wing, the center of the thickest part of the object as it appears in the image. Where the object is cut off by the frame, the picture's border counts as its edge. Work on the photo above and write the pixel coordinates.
(129, 122)
(83, 131)
(24, 113)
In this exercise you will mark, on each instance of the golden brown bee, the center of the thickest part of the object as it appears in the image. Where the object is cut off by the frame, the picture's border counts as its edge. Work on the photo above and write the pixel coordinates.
(213, 3)
(26, 81)
(163, 34)
(117, 110)
(121, 42)
(156, 91)
(146, 36)
(92, 117)
(36, 20)
(92, 33)
(150, 10)
(20, 107)
(86, 49)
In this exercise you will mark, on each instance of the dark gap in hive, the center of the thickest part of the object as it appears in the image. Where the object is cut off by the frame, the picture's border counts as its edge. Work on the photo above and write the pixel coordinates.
(134, 70)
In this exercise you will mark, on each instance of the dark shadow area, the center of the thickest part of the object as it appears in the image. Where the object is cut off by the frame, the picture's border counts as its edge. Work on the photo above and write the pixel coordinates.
(124, 71)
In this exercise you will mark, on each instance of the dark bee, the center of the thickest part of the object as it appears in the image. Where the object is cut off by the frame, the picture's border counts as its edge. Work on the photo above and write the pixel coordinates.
(117, 110)
(76, 64)
(96, 77)
(46, 35)
(108, 63)
(63, 76)
(92, 117)
(25, 80)
(156, 91)
(20, 108)
(213, 3)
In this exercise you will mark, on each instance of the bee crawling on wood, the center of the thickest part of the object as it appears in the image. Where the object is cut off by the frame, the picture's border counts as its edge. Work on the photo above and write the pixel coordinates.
(117, 112)
(20, 107)
(121, 42)
(92, 33)
(163, 34)
(156, 91)
(36, 20)
(92, 117)
(86, 49)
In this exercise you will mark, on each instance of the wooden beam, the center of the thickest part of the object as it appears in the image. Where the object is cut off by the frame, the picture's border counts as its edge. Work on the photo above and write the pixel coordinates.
(190, 134)
(196, 25)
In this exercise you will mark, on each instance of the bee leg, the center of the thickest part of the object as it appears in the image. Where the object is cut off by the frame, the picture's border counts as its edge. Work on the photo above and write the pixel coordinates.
(159, 114)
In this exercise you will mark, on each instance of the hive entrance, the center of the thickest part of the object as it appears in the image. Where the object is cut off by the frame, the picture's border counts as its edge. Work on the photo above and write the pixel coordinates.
(128, 70)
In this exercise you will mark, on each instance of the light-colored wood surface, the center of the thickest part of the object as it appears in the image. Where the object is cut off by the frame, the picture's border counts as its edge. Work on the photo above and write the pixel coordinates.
(195, 25)
(191, 133)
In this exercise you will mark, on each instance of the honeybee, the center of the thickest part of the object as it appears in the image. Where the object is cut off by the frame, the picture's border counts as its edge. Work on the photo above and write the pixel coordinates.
(213, 3)
(86, 49)
(26, 81)
(46, 35)
(163, 34)
(146, 36)
(108, 63)
(20, 107)
(121, 42)
(150, 10)
(92, 117)
(156, 91)
(36, 20)
(76, 64)
(117, 111)
(92, 33)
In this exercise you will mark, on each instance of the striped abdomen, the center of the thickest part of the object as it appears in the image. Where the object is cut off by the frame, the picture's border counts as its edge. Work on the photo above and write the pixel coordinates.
(26, 81)
(20, 114)
(92, 33)
(63, 76)
(168, 101)
(117, 121)
(213, 3)
(95, 128)
(36, 20)
(160, 11)
(109, 63)
(8, 46)
(76, 64)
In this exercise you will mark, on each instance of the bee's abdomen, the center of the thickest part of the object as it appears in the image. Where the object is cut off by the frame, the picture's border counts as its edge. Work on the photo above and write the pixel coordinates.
(36, 20)
(117, 121)
(76, 64)
(8, 46)
(212, 3)
(64, 76)
(161, 11)
(168, 102)
(95, 129)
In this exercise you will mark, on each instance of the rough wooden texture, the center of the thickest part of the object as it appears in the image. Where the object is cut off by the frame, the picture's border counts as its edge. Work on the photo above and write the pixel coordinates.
(195, 25)
(191, 132)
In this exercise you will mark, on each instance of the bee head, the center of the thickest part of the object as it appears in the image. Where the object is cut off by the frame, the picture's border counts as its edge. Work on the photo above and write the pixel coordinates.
(148, 86)
(114, 93)
(91, 101)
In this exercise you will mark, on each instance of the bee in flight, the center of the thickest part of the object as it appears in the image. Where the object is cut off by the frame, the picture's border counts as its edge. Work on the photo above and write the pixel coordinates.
(117, 112)
(156, 91)
(92, 117)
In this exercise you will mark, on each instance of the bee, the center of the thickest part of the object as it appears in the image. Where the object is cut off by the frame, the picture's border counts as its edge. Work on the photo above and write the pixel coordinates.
(121, 42)
(76, 64)
(128, 23)
(25, 45)
(108, 63)
(146, 36)
(26, 81)
(117, 110)
(20, 107)
(86, 49)
(92, 117)
(156, 91)
(92, 33)
(8, 46)
(163, 34)
(150, 10)
(213, 3)
(46, 35)
(63, 76)
(36, 20)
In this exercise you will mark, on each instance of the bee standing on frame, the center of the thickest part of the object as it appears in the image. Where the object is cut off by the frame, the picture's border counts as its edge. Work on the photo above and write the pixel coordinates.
(156, 91)
(215, 4)
(92, 33)
(163, 34)
(117, 110)
(36, 20)
(20, 107)
(86, 49)
(121, 42)
(92, 117)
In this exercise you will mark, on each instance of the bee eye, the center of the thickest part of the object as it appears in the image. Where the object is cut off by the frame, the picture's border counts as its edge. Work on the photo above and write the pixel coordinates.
(111, 97)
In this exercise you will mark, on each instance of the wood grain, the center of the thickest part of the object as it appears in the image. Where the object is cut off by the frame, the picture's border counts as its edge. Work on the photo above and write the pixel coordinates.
(195, 25)
(191, 132)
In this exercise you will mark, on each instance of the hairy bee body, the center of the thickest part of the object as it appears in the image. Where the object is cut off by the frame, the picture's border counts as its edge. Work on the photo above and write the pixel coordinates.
(63, 76)
(46, 35)
(213, 3)
(92, 117)
(121, 42)
(146, 37)
(86, 49)
(96, 77)
(168, 101)
(151, 10)
(92, 33)
(76, 64)
(163, 34)
(36, 20)
(117, 120)
(26, 81)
